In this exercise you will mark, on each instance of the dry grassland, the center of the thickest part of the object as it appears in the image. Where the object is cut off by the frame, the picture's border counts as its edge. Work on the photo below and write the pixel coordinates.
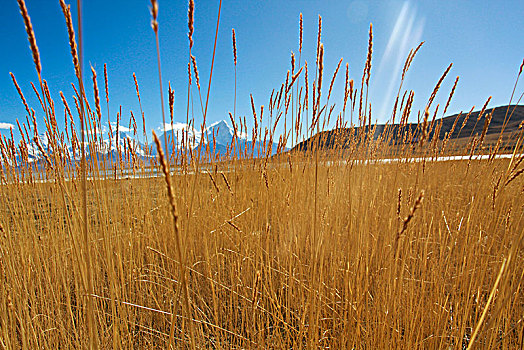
(300, 250)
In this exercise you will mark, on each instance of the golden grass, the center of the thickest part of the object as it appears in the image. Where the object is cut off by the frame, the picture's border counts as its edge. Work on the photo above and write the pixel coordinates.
(431, 295)
(313, 249)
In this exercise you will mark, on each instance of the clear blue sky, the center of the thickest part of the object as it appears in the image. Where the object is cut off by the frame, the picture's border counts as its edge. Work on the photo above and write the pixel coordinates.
(483, 39)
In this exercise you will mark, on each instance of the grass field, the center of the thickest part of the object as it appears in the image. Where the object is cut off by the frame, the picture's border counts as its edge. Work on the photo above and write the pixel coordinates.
(306, 249)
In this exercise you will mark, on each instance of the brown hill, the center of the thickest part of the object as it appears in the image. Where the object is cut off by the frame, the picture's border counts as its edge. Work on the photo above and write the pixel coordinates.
(461, 132)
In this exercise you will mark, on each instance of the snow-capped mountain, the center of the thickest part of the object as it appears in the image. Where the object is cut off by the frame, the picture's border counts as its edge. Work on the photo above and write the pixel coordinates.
(120, 140)
(104, 146)
(33, 152)
(221, 132)
(177, 134)
(111, 148)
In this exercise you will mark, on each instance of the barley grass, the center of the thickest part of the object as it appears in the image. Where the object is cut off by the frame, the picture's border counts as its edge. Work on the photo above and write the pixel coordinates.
(311, 248)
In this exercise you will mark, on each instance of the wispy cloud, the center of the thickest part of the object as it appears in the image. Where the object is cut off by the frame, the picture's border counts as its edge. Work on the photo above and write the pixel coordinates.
(406, 34)
(6, 126)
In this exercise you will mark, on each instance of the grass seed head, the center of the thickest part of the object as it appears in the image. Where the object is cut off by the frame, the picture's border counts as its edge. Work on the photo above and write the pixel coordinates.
(30, 35)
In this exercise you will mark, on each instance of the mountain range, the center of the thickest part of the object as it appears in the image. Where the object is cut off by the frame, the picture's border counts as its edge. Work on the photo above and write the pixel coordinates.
(108, 147)
(218, 136)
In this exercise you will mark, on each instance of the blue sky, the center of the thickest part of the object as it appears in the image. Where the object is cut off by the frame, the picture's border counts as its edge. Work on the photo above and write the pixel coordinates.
(483, 39)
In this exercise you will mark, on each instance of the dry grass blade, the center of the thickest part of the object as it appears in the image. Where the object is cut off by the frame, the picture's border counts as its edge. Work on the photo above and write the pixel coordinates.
(370, 53)
(179, 248)
(77, 56)
(154, 25)
(513, 176)
(21, 94)
(212, 63)
(226, 182)
(346, 88)
(450, 95)
(407, 219)
(190, 22)
(437, 87)
(234, 46)
(488, 303)
(213, 181)
(96, 94)
(154, 15)
(66, 9)
(333, 78)
(301, 31)
(195, 70)
(30, 35)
